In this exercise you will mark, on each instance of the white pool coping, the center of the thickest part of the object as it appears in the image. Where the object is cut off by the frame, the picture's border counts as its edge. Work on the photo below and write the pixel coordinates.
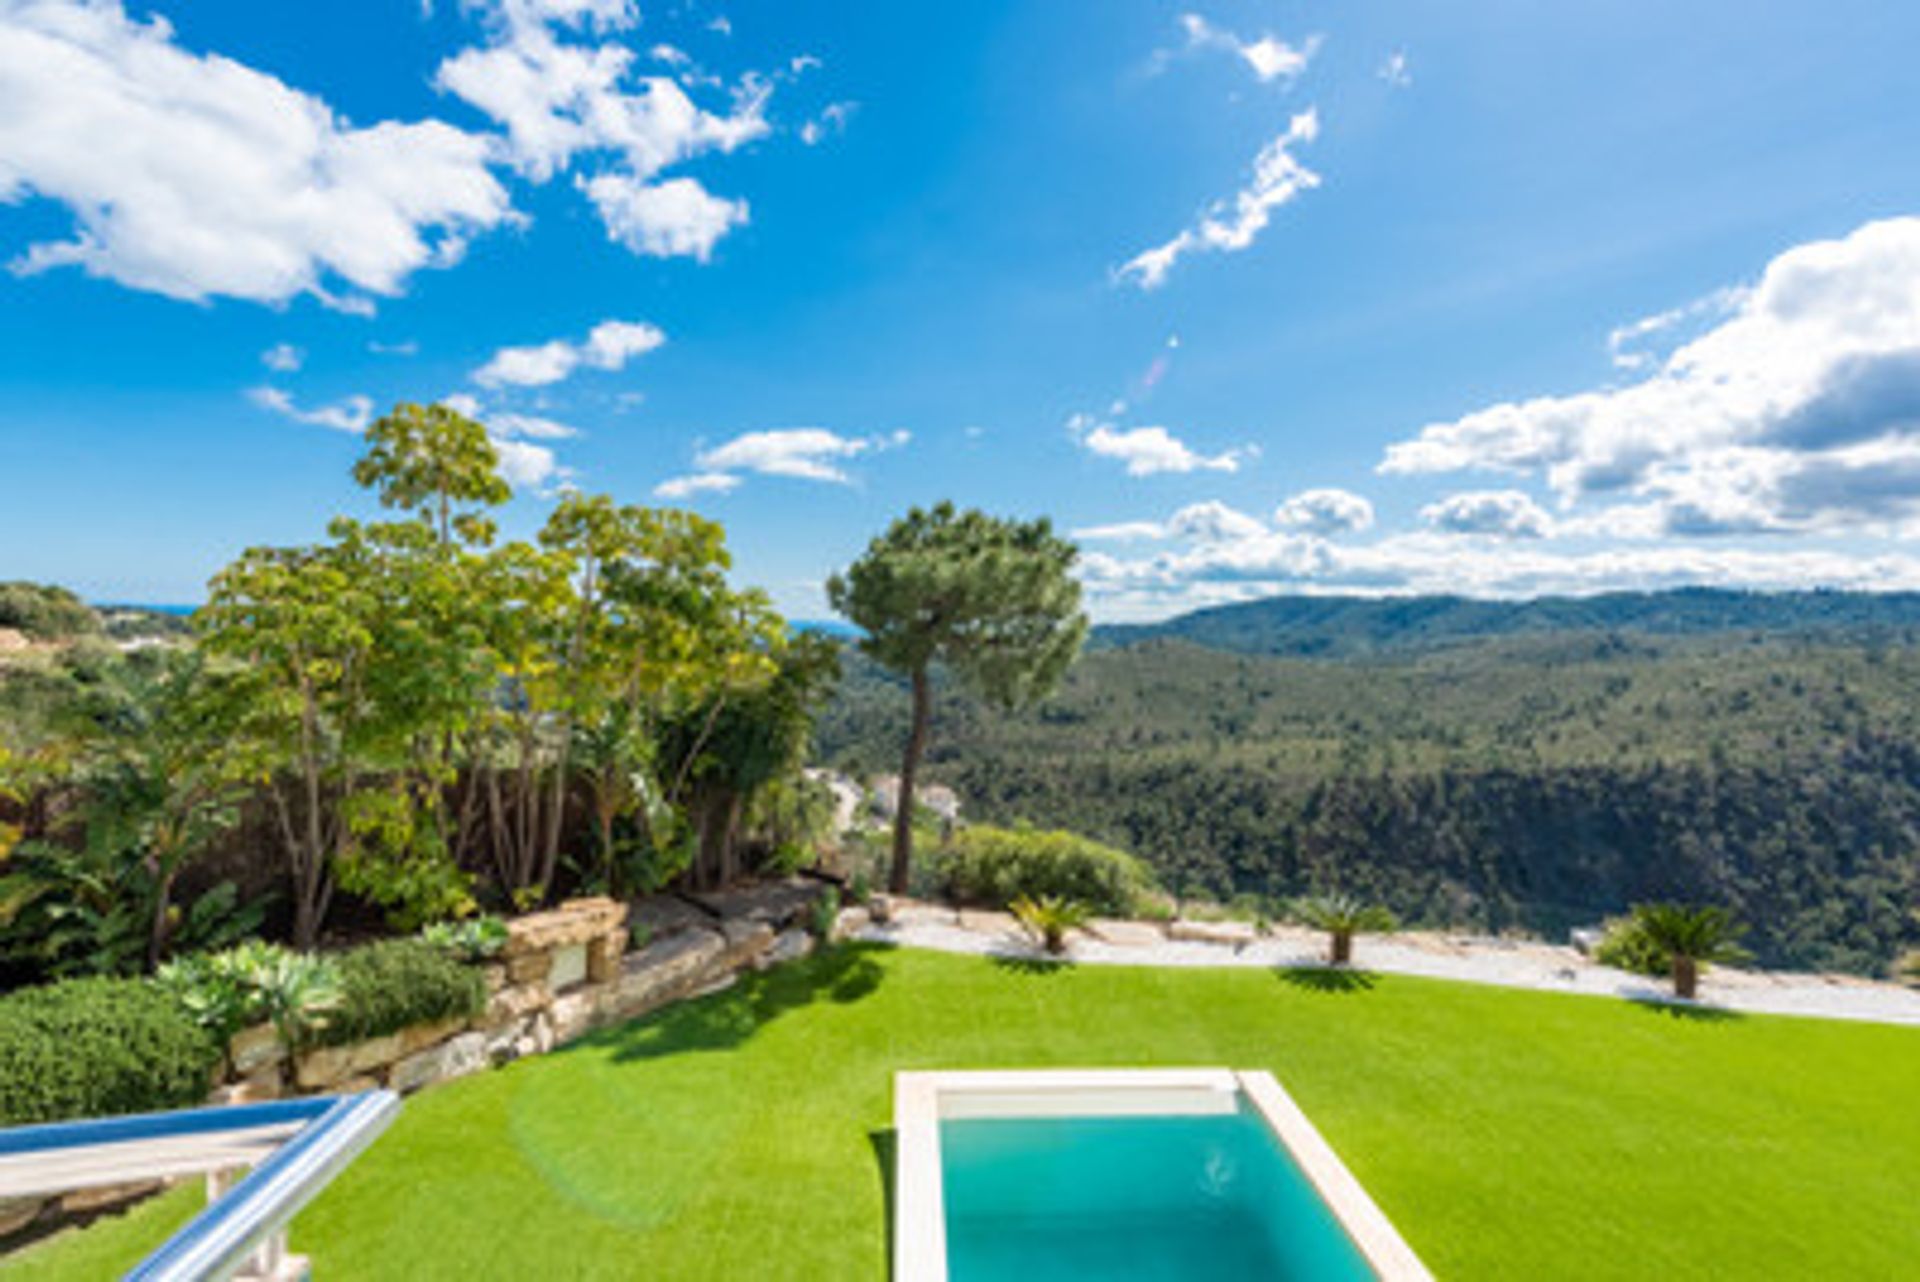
(921, 1100)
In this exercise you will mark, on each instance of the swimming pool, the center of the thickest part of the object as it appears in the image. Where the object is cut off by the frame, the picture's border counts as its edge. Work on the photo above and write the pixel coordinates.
(1147, 1176)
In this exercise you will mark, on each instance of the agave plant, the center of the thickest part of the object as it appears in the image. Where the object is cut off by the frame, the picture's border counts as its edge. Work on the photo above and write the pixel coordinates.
(1049, 918)
(224, 992)
(1693, 937)
(1342, 917)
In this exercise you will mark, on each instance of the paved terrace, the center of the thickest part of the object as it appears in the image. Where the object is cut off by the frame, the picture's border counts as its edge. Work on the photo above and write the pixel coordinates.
(1472, 959)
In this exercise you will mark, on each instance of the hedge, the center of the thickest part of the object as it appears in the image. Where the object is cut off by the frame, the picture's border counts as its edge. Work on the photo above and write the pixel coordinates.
(388, 986)
(998, 865)
(93, 1047)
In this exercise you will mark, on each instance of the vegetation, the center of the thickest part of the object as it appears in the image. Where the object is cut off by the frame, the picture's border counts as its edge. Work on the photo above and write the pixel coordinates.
(988, 865)
(1691, 939)
(1535, 783)
(1049, 918)
(1577, 1138)
(993, 601)
(45, 613)
(93, 1047)
(396, 983)
(254, 983)
(1342, 917)
(1624, 945)
(473, 940)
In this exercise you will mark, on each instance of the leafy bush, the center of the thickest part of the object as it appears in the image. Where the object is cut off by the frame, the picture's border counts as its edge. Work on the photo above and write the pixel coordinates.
(225, 992)
(1626, 946)
(998, 865)
(475, 939)
(390, 985)
(1049, 918)
(45, 611)
(91, 1047)
(823, 914)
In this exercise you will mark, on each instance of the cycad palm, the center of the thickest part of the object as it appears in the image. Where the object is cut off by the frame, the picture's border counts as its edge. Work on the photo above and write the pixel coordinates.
(1693, 937)
(1342, 917)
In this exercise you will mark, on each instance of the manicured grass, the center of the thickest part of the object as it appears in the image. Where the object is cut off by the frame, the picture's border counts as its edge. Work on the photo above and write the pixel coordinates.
(1508, 1134)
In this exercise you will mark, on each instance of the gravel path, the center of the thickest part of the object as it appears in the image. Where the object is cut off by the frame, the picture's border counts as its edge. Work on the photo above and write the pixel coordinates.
(1476, 960)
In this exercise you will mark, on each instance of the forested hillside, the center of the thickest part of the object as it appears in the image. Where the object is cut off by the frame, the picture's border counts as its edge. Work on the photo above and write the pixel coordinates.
(1541, 779)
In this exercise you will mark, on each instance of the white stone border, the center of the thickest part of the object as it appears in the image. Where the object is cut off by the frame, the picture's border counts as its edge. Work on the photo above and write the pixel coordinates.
(921, 1100)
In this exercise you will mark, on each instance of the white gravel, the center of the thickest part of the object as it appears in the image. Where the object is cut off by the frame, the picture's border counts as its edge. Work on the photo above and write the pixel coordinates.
(1476, 960)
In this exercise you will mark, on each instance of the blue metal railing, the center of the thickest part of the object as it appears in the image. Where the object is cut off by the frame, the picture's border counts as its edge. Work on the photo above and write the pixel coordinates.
(322, 1135)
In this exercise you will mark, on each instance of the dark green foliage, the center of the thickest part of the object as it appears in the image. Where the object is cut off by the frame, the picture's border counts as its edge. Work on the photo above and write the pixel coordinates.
(93, 1047)
(1538, 783)
(995, 866)
(44, 612)
(475, 939)
(390, 985)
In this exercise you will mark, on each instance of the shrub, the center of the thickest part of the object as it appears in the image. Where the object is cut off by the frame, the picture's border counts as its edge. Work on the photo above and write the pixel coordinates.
(1049, 918)
(475, 939)
(225, 992)
(1342, 917)
(92, 1047)
(998, 865)
(1625, 946)
(824, 914)
(390, 985)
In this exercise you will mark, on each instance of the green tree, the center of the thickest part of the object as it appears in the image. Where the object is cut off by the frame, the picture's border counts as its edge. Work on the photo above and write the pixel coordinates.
(1693, 937)
(1342, 917)
(993, 600)
(433, 461)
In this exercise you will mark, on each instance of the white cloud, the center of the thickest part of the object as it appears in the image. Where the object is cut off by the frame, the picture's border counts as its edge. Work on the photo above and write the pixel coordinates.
(608, 346)
(682, 487)
(1624, 342)
(350, 414)
(1270, 58)
(1395, 70)
(1507, 514)
(530, 427)
(1213, 522)
(675, 218)
(194, 176)
(407, 347)
(1230, 226)
(1147, 451)
(561, 99)
(527, 466)
(808, 453)
(1325, 511)
(1122, 532)
(1799, 410)
(832, 119)
(283, 358)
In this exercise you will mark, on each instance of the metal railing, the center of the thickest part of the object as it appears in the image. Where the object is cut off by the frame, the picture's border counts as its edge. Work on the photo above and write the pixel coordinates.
(298, 1145)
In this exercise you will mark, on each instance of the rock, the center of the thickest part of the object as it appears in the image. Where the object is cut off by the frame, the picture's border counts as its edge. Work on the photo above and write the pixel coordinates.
(496, 976)
(417, 1037)
(18, 1212)
(788, 945)
(1126, 934)
(503, 1041)
(1234, 934)
(851, 922)
(514, 1004)
(325, 1068)
(453, 1058)
(256, 1088)
(881, 908)
(777, 903)
(576, 921)
(746, 939)
(529, 968)
(82, 1201)
(983, 922)
(574, 1014)
(661, 916)
(255, 1048)
(662, 971)
(603, 957)
(537, 1040)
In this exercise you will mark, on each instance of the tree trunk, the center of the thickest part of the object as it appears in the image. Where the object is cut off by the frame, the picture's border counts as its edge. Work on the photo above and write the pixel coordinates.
(159, 927)
(909, 771)
(1340, 950)
(1686, 977)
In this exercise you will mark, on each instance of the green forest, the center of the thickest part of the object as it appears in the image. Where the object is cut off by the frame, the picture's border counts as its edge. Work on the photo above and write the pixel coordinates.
(1758, 752)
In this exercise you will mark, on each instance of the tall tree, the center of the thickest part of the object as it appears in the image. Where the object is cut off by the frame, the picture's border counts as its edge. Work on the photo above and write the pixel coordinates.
(992, 600)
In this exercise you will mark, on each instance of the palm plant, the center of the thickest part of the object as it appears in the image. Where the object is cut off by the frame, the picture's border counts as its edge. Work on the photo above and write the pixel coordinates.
(1693, 937)
(1342, 917)
(1049, 918)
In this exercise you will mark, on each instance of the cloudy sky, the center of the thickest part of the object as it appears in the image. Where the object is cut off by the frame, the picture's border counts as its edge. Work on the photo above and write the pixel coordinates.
(1490, 297)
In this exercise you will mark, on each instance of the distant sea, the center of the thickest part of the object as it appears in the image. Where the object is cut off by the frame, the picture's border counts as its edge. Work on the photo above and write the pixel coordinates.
(181, 610)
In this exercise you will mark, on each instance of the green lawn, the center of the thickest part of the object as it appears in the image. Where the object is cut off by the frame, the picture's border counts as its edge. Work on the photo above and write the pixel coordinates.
(1508, 1134)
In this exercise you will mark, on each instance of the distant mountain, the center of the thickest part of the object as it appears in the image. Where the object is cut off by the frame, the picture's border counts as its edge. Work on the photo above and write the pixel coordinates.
(1354, 627)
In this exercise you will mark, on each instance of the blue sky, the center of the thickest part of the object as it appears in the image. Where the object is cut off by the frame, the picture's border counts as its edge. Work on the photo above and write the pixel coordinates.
(1491, 297)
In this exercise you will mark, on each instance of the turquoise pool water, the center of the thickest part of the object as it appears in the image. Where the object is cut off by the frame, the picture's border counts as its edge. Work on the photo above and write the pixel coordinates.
(1134, 1199)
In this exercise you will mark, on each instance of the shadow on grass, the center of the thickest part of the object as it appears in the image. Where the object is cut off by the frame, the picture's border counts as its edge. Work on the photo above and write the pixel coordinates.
(845, 973)
(886, 1151)
(1327, 979)
(1025, 964)
(1674, 1008)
